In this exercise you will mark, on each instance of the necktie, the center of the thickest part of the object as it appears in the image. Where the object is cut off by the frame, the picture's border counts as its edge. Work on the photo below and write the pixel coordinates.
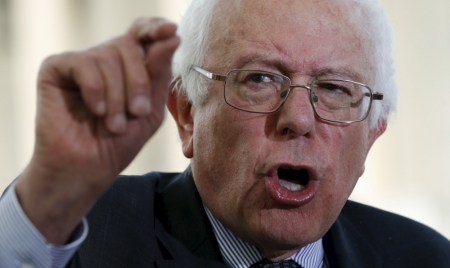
(282, 264)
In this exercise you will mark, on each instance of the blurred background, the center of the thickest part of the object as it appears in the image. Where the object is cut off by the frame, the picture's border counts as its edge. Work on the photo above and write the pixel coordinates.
(407, 171)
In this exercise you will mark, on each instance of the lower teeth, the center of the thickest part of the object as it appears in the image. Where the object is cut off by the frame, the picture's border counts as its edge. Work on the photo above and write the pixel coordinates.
(291, 186)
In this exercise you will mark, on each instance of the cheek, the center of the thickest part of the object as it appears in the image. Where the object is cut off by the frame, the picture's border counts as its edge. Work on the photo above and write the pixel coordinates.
(226, 146)
(354, 151)
(347, 156)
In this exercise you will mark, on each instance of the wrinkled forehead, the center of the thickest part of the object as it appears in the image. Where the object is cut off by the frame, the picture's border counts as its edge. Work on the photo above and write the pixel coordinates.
(316, 14)
(290, 25)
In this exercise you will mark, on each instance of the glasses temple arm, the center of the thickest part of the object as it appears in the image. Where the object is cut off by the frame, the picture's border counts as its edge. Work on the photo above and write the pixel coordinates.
(375, 96)
(208, 74)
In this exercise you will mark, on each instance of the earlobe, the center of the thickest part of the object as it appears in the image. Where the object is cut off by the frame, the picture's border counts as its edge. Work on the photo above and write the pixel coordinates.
(182, 112)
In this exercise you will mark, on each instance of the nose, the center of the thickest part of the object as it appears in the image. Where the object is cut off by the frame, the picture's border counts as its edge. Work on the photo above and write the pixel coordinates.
(296, 116)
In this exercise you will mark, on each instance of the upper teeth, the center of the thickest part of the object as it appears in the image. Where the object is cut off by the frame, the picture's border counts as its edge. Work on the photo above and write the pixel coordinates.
(290, 168)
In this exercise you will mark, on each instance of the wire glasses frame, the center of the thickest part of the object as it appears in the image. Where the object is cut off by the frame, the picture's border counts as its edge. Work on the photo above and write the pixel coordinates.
(331, 99)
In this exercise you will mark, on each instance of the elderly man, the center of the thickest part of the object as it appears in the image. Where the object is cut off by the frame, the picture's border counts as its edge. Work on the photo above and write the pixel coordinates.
(277, 105)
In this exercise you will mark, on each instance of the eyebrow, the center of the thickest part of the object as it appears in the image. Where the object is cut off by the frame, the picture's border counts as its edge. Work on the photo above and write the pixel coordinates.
(341, 72)
(283, 66)
(262, 60)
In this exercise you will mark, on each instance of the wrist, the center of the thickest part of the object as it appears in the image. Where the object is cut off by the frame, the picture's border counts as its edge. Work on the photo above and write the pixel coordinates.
(54, 202)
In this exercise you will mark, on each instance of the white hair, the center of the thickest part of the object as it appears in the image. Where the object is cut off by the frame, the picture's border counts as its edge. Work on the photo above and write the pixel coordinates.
(195, 32)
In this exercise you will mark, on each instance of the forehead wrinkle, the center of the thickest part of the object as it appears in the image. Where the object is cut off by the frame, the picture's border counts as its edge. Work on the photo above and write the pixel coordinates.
(232, 38)
(287, 68)
(266, 61)
(235, 53)
(262, 50)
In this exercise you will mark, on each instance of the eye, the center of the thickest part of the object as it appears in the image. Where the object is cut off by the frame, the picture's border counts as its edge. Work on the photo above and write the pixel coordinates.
(333, 87)
(257, 81)
(259, 78)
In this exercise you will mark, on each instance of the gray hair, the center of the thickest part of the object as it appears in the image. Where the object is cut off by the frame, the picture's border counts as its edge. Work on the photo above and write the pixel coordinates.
(195, 29)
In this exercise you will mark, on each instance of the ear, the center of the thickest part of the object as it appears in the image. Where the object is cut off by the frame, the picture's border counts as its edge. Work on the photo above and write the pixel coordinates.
(375, 133)
(183, 111)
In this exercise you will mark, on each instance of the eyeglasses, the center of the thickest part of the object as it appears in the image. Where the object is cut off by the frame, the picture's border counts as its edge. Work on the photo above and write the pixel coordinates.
(333, 100)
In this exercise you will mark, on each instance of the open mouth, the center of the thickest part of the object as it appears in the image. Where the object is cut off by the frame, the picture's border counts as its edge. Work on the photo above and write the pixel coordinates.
(292, 185)
(293, 179)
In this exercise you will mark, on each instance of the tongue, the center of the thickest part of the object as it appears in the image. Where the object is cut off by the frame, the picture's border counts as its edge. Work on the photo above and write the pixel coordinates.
(291, 184)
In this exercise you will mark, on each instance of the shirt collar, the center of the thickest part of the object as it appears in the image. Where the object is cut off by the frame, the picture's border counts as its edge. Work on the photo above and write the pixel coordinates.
(240, 254)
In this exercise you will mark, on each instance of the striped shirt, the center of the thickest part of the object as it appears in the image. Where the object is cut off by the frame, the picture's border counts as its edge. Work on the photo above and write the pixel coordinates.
(240, 254)
(22, 245)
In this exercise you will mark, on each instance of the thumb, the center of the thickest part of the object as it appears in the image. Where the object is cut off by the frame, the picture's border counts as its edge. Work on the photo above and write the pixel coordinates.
(159, 66)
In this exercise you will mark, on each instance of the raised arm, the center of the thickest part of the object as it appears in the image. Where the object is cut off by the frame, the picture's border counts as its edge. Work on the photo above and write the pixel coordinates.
(96, 109)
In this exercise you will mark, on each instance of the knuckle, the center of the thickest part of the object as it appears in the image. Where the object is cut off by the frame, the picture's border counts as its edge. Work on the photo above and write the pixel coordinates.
(116, 99)
(140, 84)
(125, 42)
(50, 60)
(83, 58)
(47, 65)
(130, 42)
(94, 87)
(109, 57)
(54, 60)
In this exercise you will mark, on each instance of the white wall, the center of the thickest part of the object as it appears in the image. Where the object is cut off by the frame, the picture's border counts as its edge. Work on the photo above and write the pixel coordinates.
(408, 170)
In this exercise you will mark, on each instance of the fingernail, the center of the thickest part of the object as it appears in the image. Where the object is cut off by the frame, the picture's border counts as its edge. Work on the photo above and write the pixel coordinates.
(118, 123)
(100, 108)
(140, 106)
(165, 20)
(144, 30)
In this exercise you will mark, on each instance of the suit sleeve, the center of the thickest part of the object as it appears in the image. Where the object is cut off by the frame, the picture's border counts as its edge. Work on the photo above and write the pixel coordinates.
(22, 245)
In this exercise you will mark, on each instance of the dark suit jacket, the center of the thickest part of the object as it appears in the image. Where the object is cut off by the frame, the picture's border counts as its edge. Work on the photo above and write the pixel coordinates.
(157, 220)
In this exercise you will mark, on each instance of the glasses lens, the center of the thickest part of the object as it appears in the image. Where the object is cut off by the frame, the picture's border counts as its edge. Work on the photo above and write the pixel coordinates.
(339, 100)
(255, 91)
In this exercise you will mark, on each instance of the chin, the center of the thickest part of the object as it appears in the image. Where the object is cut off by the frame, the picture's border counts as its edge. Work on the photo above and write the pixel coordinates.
(282, 230)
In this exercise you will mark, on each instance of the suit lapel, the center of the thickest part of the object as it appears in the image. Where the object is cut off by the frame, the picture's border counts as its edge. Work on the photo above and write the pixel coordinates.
(180, 215)
(345, 245)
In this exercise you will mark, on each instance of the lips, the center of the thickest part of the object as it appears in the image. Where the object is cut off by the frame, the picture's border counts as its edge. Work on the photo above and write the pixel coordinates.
(291, 185)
